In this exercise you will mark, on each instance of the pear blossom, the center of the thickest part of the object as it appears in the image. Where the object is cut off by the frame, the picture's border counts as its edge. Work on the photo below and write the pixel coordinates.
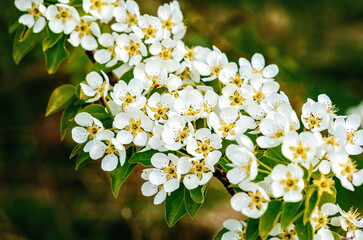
(230, 123)
(354, 136)
(197, 171)
(126, 17)
(346, 170)
(158, 106)
(130, 49)
(85, 33)
(214, 63)
(167, 52)
(349, 221)
(100, 9)
(62, 18)
(172, 20)
(149, 29)
(165, 172)
(232, 96)
(87, 130)
(315, 116)
(187, 73)
(35, 14)
(107, 144)
(156, 141)
(320, 218)
(299, 147)
(195, 53)
(258, 113)
(148, 189)
(176, 132)
(334, 142)
(274, 128)
(281, 234)
(128, 96)
(134, 126)
(151, 73)
(287, 182)
(97, 86)
(257, 66)
(244, 164)
(107, 55)
(252, 202)
(210, 102)
(205, 144)
(332, 109)
(358, 109)
(190, 103)
(238, 77)
(262, 90)
(236, 230)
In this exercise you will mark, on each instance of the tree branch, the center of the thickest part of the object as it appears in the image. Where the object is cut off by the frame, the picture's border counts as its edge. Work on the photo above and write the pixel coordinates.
(221, 175)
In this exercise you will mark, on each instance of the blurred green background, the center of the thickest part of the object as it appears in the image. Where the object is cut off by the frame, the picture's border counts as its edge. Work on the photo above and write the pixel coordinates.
(318, 46)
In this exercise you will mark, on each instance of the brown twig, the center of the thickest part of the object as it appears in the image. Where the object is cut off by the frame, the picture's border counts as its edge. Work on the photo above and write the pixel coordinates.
(221, 175)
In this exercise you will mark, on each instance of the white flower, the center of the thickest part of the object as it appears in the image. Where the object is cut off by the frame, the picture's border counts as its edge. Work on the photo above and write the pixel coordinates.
(287, 233)
(35, 16)
(257, 66)
(149, 29)
(197, 171)
(156, 142)
(237, 230)
(114, 150)
(320, 218)
(87, 130)
(128, 96)
(148, 189)
(244, 164)
(332, 109)
(100, 9)
(151, 73)
(62, 18)
(176, 132)
(204, 144)
(97, 86)
(190, 103)
(299, 147)
(165, 172)
(346, 170)
(172, 20)
(233, 96)
(158, 106)
(126, 17)
(354, 136)
(187, 73)
(315, 116)
(349, 221)
(230, 123)
(358, 109)
(192, 54)
(252, 202)
(287, 182)
(133, 125)
(107, 55)
(85, 33)
(231, 74)
(167, 52)
(334, 142)
(214, 63)
(258, 113)
(261, 90)
(210, 102)
(274, 128)
(323, 234)
(130, 49)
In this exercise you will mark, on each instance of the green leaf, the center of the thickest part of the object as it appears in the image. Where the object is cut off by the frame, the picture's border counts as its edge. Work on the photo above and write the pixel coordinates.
(289, 213)
(275, 155)
(252, 229)
(191, 206)
(51, 39)
(61, 98)
(98, 67)
(119, 176)
(198, 194)
(24, 41)
(14, 23)
(336, 236)
(269, 218)
(223, 161)
(83, 159)
(328, 198)
(98, 111)
(220, 234)
(311, 202)
(175, 206)
(304, 231)
(56, 54)
(143, 158)
(126, 77)
(67, 119)
(77, 150)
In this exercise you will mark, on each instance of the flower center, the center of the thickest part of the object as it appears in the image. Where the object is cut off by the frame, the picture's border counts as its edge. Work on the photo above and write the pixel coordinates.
(256, 200)
(35, 11)
(226, 129)
(330, 141)
(92, 131)
(134, 127)
(111, 149)
(63, 14)
(237, 80)
(166, 53)
(299, 151)
(350, 137)
(289, 183)
(170, 171)
(236, 99)
(199, 168)
(149, 32)
(348, 169)
(131, 19)
(97, 4)
(128, 99)
(160, 112)
(321, 221)
(168, 24)
(182, 135)
(287, 235)
(259, 96)
(204, 147)
(279, 133)
(313, 121)
(216, 70)
(185, 74)
(133, 49)
(190, 54)
(83, 28)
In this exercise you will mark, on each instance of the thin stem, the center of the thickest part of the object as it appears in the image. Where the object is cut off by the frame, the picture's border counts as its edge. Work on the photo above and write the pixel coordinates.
(321, 159)
(221, 175)
(264, 165)
(264, 171)
(107, 106)
(184, 154)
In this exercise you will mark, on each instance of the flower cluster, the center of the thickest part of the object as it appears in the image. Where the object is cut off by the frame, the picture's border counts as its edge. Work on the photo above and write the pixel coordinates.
(200, 111)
